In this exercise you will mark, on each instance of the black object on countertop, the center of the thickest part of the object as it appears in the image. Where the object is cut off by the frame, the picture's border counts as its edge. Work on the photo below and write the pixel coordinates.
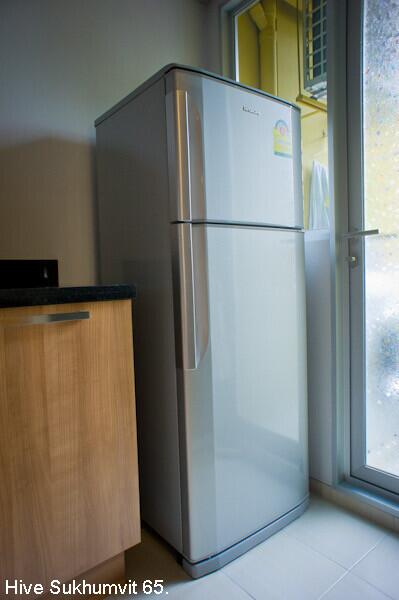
(17, 273)
(64, 295)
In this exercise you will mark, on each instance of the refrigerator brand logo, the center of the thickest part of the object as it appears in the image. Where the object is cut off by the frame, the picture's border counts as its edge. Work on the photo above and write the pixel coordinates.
(250, 110)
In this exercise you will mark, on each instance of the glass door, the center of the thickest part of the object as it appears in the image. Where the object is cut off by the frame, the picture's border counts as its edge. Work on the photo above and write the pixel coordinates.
(373, 239)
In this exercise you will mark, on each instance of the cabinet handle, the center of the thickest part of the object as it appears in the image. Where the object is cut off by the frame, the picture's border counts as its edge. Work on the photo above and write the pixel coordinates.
(48, 319)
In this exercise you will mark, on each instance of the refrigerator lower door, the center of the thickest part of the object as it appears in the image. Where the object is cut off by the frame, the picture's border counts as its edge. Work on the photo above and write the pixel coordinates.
(242, 381)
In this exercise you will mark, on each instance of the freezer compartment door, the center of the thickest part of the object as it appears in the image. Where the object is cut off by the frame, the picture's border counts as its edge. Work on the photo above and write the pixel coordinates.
(242, 381)
(234, 155)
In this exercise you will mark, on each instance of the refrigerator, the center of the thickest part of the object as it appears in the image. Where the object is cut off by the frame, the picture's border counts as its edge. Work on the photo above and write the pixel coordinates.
(200, 206)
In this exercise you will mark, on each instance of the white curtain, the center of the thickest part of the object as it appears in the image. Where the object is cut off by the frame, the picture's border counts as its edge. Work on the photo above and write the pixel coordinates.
(318, 197)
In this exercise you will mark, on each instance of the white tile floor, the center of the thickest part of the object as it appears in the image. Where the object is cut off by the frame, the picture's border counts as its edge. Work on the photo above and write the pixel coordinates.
(327, 553)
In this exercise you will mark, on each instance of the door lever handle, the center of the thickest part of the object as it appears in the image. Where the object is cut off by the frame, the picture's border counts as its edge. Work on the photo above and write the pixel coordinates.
(352, 261)
(361, 233)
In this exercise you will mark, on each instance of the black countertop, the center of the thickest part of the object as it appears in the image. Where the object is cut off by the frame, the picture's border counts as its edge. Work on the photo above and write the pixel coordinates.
(64, 295)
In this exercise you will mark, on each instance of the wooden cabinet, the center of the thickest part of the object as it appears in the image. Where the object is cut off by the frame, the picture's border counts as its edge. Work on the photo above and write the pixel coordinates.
(68, 457)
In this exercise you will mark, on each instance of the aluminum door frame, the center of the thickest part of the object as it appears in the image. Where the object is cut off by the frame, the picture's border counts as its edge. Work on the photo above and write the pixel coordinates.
(356, 247)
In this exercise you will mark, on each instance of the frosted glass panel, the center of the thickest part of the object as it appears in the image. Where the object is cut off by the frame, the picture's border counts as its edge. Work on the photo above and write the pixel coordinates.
(381, 210)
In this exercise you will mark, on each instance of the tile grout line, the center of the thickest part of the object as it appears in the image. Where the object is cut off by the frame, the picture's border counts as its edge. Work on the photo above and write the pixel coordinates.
(238, 585)
(367, 553)
(364, 556)
(348, 571)
(333, 584)
(293, 536)
(307, 545)
(361, 579)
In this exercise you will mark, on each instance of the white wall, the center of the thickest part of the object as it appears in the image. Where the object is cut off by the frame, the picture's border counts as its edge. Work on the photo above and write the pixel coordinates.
(63, 62)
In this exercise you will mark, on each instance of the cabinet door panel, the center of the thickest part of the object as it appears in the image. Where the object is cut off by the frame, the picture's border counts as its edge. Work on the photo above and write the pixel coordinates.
(68, 458)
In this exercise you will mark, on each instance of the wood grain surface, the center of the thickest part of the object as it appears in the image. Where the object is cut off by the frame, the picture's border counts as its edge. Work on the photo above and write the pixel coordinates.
(69, 496)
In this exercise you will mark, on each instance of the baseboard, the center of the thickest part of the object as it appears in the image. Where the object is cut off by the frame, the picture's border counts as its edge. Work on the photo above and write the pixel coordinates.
(357, 501)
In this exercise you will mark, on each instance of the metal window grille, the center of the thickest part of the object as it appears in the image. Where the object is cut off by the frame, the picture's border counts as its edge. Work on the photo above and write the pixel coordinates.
(315, 47)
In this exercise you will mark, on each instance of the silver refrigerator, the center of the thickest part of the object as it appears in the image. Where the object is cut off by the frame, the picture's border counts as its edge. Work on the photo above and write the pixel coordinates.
(200, 205)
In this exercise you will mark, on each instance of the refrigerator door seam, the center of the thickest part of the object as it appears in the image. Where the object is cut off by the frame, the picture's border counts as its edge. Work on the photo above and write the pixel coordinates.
(240, 224)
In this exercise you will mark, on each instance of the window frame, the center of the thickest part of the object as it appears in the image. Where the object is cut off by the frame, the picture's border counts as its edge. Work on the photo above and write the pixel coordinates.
(230, 12)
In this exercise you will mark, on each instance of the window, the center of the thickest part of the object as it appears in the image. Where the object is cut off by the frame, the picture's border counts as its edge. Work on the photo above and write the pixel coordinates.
(315, 47)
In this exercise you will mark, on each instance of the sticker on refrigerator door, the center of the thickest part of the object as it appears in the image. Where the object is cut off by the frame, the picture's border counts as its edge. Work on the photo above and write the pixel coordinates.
(282, 143)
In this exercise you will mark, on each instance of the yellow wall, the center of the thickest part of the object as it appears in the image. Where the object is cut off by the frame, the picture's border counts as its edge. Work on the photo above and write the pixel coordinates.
(248, 50)
(287, 51)
(282, 54)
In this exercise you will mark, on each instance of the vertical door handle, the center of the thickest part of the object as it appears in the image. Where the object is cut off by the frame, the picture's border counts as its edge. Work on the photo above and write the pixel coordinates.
(196, 160)
(192, 293)
(179, 155)
(185, 157)
(186, 283)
